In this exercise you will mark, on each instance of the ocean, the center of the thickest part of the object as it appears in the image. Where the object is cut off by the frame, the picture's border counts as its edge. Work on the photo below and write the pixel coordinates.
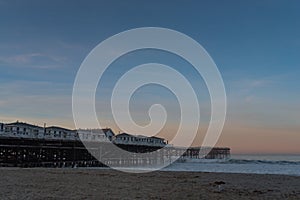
(257, 164)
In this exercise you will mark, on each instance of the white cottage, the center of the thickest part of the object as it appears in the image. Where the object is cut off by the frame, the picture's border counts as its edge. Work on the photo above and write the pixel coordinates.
(127, 139)
(98, 135)
(108, 133)
(23, 130)
(55, 132)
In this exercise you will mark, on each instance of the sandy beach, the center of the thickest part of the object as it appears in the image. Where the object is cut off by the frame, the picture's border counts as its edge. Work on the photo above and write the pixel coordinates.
(44, 183)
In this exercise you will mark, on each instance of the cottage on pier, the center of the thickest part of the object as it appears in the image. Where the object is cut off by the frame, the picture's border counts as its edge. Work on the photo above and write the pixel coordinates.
(55, 132)
(127, 139)
(21, 129)
(98, 135)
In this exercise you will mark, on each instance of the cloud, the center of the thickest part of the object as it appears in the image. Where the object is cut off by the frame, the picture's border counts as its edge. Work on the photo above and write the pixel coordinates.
(259, 83)
(26, 87)
(36, 99)
(50, 107)
(70, 46)
(249, 84)
(33, 60)
(250, 90)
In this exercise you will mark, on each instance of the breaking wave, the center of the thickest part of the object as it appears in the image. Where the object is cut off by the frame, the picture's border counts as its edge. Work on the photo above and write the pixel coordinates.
(239, 161)
(242, 161)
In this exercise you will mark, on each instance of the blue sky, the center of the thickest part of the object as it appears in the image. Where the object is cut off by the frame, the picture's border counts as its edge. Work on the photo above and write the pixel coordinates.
(255, 45)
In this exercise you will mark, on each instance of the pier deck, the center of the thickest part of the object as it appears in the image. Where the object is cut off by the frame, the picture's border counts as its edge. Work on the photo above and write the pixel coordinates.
(21, 152)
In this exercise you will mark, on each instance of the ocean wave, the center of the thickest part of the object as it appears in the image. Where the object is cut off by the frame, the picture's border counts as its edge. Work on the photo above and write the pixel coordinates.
(280, 162)
(239, 161)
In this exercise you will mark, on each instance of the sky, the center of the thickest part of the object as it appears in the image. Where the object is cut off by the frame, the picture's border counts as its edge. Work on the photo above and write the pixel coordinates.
(255, 45)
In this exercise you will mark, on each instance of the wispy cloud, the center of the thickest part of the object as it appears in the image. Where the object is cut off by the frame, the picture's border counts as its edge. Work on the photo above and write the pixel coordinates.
(259, 83)
(33, 60)
(249, 90)
(248, 84)
(20, 88)
(38, 100)
(70, 46)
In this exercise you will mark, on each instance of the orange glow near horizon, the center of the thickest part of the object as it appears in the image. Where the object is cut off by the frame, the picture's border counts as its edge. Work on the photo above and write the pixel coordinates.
(241, 139)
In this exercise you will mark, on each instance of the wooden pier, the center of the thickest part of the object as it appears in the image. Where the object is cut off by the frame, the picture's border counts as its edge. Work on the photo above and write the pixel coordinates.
(207, 153)
(21, 152)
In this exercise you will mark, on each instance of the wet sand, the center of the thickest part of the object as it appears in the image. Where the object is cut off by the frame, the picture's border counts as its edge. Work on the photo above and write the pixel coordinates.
(109, 184)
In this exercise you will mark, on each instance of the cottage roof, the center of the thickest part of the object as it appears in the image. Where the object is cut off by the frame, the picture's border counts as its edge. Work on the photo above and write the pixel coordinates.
(102, 130)
(22, 124)
(57, 127)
